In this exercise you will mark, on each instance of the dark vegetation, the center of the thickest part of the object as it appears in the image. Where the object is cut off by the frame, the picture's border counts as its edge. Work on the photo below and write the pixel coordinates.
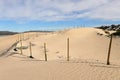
(117, 33)
(112, 27)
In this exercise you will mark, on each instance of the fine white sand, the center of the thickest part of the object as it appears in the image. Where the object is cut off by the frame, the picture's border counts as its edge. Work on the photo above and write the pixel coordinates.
(88, 55)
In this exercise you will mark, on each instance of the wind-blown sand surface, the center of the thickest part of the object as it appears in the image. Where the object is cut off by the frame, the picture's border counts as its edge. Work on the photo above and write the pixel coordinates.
(88, 55)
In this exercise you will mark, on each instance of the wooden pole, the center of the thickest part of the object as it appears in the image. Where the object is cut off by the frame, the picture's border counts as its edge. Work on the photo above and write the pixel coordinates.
(23, 36)
(109, 51)
(67, 49)
(45, 51)
(36, 34)
(28, 35)
(21, 45)
(18, 38)
(30, 50)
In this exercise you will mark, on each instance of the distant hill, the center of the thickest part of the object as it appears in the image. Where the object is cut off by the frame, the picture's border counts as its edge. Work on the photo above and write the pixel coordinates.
(12, 33)
(37, 31)
(7, 33)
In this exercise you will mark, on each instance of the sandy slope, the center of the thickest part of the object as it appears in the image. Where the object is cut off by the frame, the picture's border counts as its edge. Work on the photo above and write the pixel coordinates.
(88, 53)
(84, 44)
(6, 42)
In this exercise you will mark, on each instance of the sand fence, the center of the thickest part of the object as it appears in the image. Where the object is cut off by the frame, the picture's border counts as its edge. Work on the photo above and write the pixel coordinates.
(21, 38)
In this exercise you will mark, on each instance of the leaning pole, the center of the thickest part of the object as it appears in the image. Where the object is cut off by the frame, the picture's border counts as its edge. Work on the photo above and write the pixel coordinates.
(109, 50)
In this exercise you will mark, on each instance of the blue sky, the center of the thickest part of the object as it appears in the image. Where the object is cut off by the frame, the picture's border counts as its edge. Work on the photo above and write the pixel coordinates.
(22, 15)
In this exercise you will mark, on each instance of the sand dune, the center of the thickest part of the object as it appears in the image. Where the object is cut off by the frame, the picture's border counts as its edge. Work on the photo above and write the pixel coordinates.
(88, 54)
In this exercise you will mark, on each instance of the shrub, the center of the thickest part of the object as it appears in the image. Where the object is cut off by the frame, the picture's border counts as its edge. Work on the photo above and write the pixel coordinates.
(117, 33)
(107, 32)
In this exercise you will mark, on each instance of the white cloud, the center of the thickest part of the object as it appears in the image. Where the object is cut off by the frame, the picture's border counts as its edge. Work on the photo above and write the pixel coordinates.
(54, 10)
(109, 11)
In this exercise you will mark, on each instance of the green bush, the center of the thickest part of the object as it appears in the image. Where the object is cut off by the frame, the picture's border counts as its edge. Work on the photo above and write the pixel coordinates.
(107, 32)
(117, 33)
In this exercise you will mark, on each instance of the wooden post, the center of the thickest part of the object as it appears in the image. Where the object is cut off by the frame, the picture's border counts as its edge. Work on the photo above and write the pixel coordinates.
(21, 45)
(30, 50)
(23, 36)
(45, 51)
(18, 38)
(67, 49)
(109, 50)
(28, 35)
(36, 34)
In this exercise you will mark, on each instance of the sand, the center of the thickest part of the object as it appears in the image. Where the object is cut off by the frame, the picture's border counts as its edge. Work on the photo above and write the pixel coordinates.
(88, 55)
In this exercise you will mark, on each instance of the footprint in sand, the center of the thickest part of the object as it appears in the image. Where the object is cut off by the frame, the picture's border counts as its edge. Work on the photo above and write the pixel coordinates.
(57, 52)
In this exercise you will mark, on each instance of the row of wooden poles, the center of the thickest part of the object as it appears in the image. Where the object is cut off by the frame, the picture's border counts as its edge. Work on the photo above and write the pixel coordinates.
(68, 50)
(45, 51)
(21, 36)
